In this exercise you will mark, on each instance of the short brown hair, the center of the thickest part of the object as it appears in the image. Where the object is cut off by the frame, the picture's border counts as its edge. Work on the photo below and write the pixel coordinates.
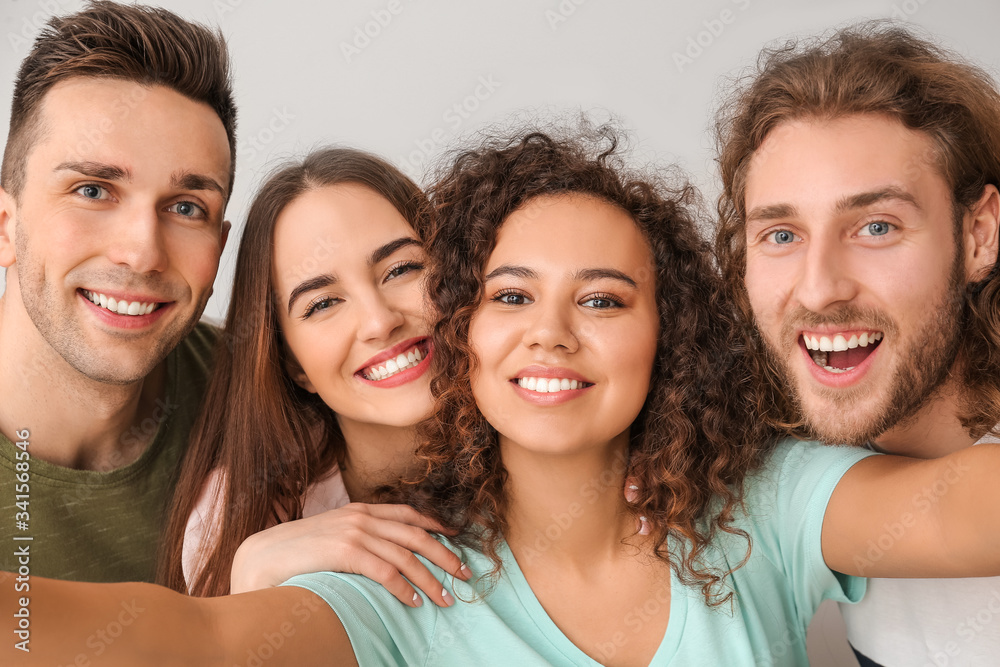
(146, 45)
(873, 68)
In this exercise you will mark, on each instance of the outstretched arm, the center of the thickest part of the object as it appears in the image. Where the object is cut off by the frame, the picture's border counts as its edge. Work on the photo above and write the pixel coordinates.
(893, 516)
(143, 624)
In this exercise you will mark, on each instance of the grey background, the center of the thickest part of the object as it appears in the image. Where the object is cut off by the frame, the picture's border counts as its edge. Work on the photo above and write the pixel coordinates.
(410, 90)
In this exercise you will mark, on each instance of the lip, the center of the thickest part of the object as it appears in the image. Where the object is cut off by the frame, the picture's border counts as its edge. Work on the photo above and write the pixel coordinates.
(837, 380)
(556, 373)
(410, 374)
(126, 321)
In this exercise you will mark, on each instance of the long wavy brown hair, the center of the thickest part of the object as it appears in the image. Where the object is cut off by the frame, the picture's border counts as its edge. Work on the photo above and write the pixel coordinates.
(692, 443)
(269, 437)
(870, 68)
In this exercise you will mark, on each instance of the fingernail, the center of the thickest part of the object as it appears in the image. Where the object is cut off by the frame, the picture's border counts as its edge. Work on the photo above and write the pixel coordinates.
(643, 526)
(465, 570)
(633, 487)
(416, 600)
(446, 596)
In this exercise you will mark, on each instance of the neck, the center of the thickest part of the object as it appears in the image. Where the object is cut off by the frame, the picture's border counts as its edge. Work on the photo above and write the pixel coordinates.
(566, 508)
(933, 431)
(74, 422)
(375, 455)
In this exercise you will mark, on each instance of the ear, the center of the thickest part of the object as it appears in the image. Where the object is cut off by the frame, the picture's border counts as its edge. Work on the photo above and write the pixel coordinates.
(7, 211)
(294, 370)
(226, 226)
(980, 233)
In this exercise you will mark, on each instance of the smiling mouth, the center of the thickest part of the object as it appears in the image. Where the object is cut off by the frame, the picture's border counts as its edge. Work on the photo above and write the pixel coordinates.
(841, 352)
(543, 385)
(133, 308)
(403, 361)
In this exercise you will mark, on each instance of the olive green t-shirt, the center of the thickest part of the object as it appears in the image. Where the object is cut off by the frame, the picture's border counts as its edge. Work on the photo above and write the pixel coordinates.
(86, 525)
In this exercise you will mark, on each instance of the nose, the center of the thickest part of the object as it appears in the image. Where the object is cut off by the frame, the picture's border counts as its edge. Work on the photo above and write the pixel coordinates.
(826, 278)
(552, 327)
(137, 242)
(378, 317)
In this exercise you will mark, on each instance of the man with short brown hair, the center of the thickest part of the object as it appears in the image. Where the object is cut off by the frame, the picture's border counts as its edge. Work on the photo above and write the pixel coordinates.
(116, 174)
(859, 237)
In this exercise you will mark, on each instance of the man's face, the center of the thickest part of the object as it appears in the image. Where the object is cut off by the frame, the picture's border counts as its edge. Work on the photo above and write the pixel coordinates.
(119, 227)
(852, 270)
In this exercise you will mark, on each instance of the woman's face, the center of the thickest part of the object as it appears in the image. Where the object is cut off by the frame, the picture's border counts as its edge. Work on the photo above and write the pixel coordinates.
(566, 333)
(349, 270)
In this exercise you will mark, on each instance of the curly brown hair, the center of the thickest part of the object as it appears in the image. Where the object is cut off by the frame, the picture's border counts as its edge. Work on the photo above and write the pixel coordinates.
(870, 68)
(690, 446)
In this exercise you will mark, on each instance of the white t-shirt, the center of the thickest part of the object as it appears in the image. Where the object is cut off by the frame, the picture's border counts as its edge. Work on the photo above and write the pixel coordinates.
(201, 533)
(928, 622)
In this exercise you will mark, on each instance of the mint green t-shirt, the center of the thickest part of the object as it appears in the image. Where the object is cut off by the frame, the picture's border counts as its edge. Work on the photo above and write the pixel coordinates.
(777, 591)
(90, 525)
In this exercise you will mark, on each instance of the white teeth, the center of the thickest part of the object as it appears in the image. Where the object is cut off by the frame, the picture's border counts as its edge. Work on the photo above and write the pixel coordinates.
(132, 308)
(838, 370)
(840, 342)
(390, 367)
(550, 385)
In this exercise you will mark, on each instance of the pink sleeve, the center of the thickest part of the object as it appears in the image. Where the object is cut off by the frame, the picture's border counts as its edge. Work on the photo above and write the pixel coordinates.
(203, 525)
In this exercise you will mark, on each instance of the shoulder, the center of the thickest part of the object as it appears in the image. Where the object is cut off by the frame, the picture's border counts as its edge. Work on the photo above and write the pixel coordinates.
(197, 348)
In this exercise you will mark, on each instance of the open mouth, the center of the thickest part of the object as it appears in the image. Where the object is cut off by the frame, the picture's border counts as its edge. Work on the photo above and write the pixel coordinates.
(403, 360)
(133, 308)
(841, 352)
(544, 385)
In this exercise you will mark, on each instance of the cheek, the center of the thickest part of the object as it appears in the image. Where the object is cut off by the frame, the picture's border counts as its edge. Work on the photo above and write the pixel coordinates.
(197, 259)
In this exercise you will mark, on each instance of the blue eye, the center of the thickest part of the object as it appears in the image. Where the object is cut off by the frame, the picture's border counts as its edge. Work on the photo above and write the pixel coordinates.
(91, 191)
(188, 209)
(877, 228)
(782, 236)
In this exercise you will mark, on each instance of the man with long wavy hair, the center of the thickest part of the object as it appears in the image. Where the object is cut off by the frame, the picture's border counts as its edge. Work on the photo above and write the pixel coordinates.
(858, 234)
(116, 173)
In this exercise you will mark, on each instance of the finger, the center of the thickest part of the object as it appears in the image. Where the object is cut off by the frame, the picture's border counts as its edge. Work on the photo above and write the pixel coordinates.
(382, 572)
(419, 541)
(408, 515)
(407, 564)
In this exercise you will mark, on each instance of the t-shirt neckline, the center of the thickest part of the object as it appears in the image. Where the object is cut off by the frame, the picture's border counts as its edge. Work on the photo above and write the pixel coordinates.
(669, 645)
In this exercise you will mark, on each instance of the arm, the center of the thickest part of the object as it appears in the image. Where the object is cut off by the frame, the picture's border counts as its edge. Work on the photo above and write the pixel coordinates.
(892, 516)
(375, 541)
(139, 624)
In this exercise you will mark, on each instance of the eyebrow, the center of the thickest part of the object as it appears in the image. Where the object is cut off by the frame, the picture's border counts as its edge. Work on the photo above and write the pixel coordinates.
(385, 251)
(847, 203)
(868, 198)
(109, 172)
(186, 180)
(583, 274)
(105, 172)
(319, 282)
(308, 285)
